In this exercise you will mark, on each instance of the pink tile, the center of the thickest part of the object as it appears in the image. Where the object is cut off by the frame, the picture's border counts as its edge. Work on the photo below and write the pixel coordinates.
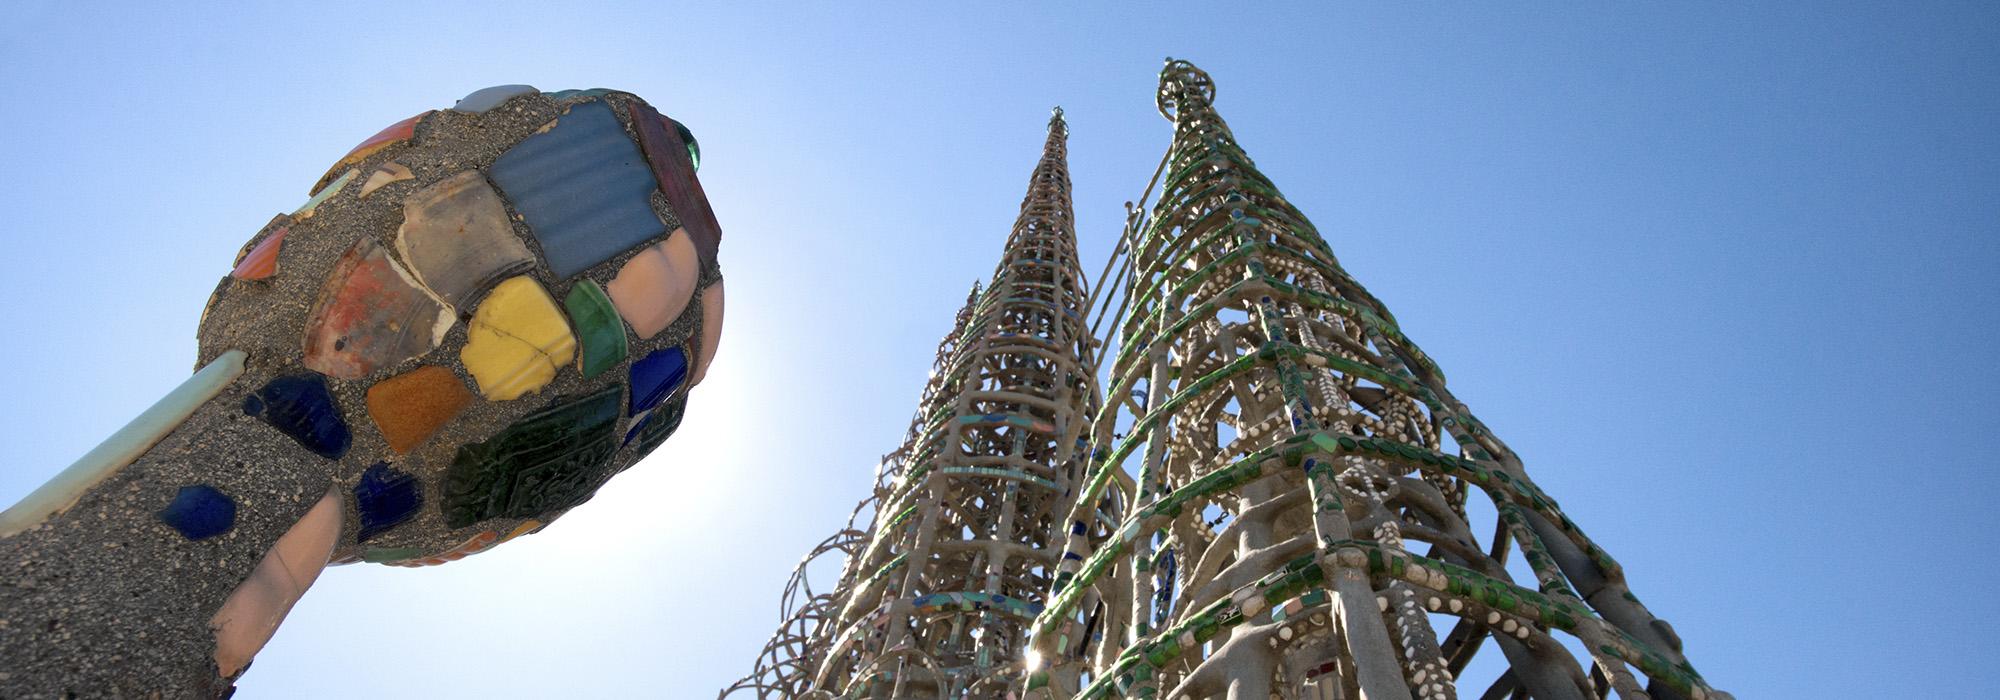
(653, 287)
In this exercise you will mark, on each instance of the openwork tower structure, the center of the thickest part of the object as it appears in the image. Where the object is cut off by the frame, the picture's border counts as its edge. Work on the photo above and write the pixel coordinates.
(1301, 478)
(1280, 497)
(938, 592)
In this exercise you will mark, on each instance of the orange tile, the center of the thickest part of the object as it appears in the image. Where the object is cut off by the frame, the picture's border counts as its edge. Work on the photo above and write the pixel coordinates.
(408, 408)
(262, 260)
(396, 133)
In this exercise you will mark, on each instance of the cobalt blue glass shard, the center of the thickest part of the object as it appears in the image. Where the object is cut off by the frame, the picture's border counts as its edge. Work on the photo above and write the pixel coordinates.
(654, 377)
(200, 512)
(385, 498)
(300, 406)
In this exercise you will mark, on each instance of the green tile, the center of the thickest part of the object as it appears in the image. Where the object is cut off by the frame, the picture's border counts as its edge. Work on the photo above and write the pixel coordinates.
(598, 327)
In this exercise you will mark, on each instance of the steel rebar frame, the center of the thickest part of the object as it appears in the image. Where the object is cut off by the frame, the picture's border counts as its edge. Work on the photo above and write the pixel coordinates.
(938, 592)
(1291, 449)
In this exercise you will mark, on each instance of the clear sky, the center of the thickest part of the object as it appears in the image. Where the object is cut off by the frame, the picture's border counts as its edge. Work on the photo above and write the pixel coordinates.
(1724, 275)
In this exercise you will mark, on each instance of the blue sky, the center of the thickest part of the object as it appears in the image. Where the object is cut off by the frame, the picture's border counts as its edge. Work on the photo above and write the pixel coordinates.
(1724, 274)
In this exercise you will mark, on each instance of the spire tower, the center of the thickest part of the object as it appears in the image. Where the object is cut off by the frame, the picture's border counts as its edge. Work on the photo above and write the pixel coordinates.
(1300, 479)
(939, 589)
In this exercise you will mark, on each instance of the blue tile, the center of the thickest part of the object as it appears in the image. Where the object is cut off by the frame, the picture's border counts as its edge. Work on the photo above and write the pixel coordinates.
(583, 187)
(385, 498)
(654, 377)
(200, 512)
(561, 95)
(487, 98)
(301, 407)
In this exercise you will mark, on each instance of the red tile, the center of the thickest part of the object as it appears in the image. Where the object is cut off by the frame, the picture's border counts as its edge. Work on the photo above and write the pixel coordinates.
(668, 155)
(396, 133)
(261, 260)
(368, 316)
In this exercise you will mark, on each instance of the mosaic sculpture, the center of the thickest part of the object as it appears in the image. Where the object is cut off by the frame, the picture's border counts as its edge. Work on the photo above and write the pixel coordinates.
(1273, 503)
(938, 591)
(480, 316)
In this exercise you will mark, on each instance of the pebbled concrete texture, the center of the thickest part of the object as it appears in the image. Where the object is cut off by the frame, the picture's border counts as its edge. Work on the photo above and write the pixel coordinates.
(104, 599)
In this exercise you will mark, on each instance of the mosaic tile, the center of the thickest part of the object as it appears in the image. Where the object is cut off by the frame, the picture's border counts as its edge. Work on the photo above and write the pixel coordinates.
(200, 512)
(261, 260)
(300, 406)
(306, 211)
(389, 172)
(395, 133)
(669, 157)
(456, 238)
(251, 614)
(658, 425)
(385, 555)
(597, 328)
(487, 98)
(516, 340)
(368, 315)
(410, 407)
(549, 461)
(583, 187)
(693, 146)
(560, 95)
(124, 446)
(654, 377)
(385, 498)
(711, 331)
(478, 543)
(527, 527)
(654, 285)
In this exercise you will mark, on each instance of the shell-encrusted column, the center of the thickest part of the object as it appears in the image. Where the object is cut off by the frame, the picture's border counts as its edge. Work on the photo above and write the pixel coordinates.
(479, 317)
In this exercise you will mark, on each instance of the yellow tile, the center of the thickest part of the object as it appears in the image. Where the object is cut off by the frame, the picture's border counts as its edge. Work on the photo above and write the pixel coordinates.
(517, 340)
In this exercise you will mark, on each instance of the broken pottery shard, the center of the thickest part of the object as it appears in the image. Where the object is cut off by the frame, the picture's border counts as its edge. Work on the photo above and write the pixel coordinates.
(200, 512)
(456, 238)
(386, 555)
(597, 328)
(252, 613)
(384, 498)
(478, 543)
(668, 155)
(656, 376)
(516, 340)
(711, 330)
(527, 527)
(658, 425)
(408, 408)
(549, 461)
(306, 211)
(261, 260)
(561, 95)
(368, 315)
(388, 173)
(300, 406)
(396, 133)
(583, 188)
(487, 98)
(653, 286)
